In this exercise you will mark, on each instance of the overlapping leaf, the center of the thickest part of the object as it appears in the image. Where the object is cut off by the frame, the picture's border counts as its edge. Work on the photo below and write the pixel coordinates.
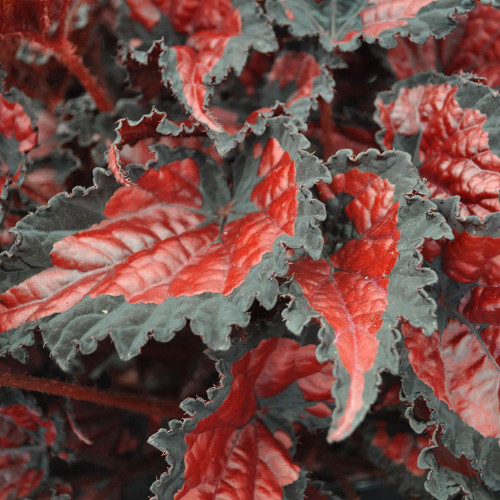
(25, 437)
(295, 79)
(457, 369)
(17, 137)
(450, 126)
(461, 368)
(473, 47)
(344, 23)
(178, 244)
(243, 427)
(448, 475)
(371, 241)
(220, 43)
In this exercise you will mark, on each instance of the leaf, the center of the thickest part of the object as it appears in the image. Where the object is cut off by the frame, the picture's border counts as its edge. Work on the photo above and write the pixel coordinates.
(239, 428)
(343, 23)
(448, 475)
(454, 410)
(371, 236)
(291, 82)
(474, 259)
(449, 125)
(179, 244)
(24, 441)
(17, 138)
(457, 369)
(471, 48)
(149, 126)
(192, 69)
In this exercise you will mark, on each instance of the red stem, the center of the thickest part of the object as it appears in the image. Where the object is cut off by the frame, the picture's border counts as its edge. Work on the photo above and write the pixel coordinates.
(130, 402)
(66, 54)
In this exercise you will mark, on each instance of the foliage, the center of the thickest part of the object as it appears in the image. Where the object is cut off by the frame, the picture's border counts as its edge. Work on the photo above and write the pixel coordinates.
(291, 205)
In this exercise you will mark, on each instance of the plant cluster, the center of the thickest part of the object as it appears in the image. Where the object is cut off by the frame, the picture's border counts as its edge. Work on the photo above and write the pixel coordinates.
(262, 236)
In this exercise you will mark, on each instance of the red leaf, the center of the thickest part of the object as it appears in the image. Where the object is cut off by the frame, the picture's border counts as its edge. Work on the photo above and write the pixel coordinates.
(476, 259)
(460, 371)
(148, 12)
(297, 79)
(360, 268)
(276, 363)
(344, 24)
(453, 150)
(236, 442)
(236, 438)
(472, 47)
(26, 419)
(147, 128)
(220, 39)
(299, 66)
(186, 16)
(155, 243)
(16, 124)
(18, 480)
(197, 59)
(385, 15)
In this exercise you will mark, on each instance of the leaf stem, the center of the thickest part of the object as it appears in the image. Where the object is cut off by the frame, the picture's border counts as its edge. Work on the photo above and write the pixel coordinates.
(66, 54)
(131, 402)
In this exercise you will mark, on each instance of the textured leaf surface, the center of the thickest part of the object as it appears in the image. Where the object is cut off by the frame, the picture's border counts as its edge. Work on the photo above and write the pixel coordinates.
(449, 475)
(444, 122)
(460, 371)
(457, 369)
(342, 24)
(179, 234)
(294, 79)
(240, 433)
(473, 47)
(211, 51)
(475, 260)
(371, 257)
